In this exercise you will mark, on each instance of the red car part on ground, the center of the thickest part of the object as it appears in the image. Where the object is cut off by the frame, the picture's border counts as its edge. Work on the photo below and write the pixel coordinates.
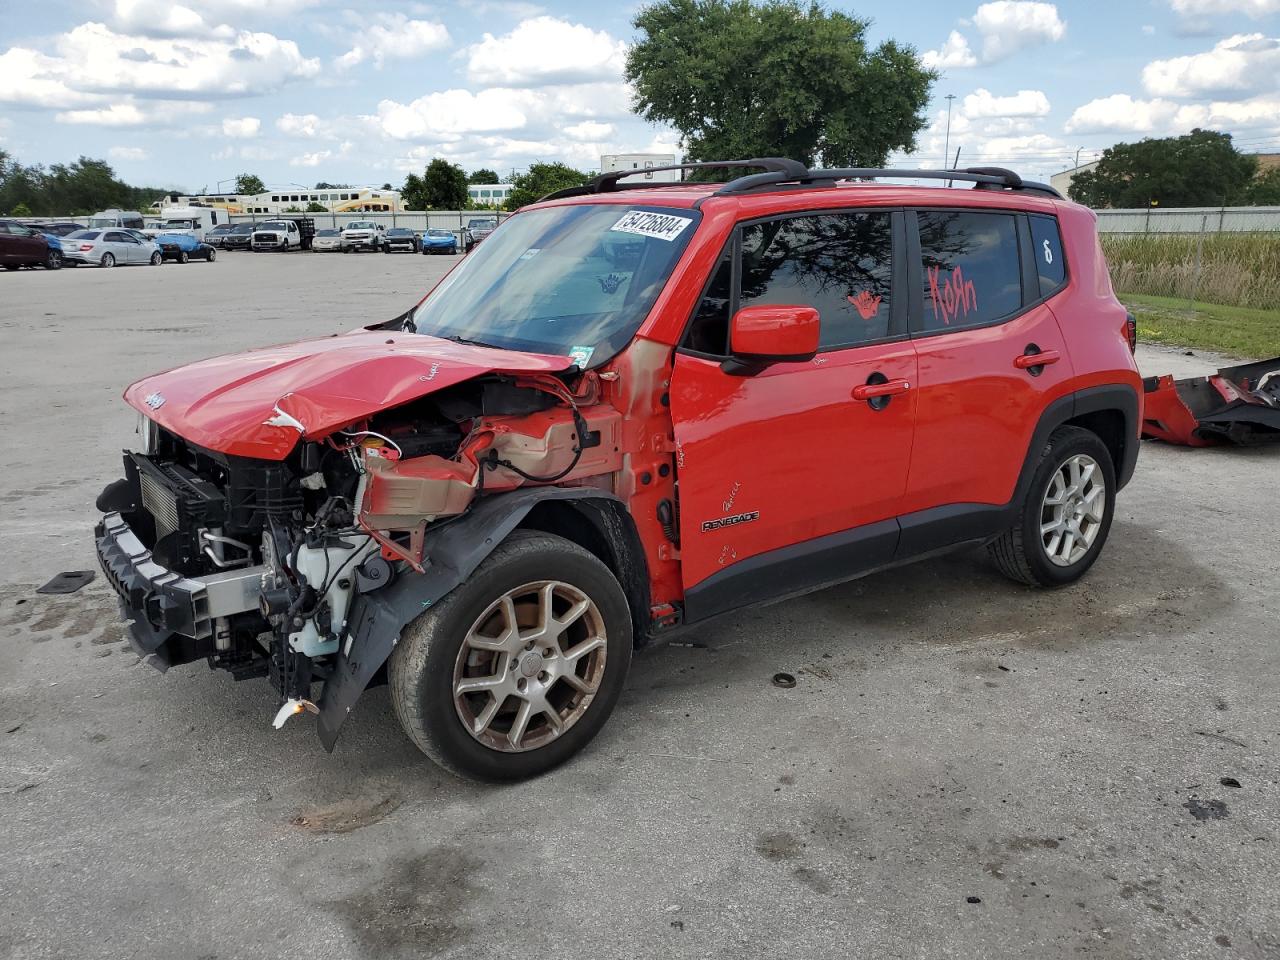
(1239, 405)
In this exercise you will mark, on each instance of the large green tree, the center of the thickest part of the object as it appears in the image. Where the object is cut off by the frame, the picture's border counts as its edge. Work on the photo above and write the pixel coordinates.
(1265, 190)
(442, 186)
(743, 79)
(541, 179)
(76, 189)
(1200, 169)
(484, 175)
(248, 184)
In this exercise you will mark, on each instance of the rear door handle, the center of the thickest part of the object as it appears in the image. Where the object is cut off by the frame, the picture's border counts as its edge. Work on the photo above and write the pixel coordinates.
(1042, 359)
(890, 388)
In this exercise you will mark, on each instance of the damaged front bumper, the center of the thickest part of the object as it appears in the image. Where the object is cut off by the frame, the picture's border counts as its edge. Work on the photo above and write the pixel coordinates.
(1238, 405)
(165, 609)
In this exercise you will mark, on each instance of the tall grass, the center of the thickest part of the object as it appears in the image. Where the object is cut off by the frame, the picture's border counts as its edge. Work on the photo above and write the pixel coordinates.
(1235, 269)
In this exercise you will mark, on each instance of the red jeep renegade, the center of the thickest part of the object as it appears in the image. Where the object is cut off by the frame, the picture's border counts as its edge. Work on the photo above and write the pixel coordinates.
(634, 407)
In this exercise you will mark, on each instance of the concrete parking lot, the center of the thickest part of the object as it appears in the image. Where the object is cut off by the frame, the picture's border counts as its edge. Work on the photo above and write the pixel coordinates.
(966, 768)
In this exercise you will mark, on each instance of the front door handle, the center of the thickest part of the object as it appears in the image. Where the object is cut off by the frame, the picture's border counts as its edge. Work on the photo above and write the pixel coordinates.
(889, 388)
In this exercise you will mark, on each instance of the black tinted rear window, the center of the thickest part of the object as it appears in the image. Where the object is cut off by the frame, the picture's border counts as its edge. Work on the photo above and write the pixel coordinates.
(970, 268)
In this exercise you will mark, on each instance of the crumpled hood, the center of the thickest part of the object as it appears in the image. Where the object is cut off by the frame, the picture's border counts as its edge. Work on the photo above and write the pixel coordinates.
(258, 403)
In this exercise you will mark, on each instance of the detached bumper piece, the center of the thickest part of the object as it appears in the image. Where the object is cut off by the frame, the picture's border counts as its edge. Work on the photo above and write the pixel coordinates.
(1239, 405)
(171, 616)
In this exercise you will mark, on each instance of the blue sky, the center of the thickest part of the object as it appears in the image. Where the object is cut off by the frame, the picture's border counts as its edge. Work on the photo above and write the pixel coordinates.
(299, 91)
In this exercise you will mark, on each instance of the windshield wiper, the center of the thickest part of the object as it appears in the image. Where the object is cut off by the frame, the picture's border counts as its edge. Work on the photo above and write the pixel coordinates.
(467, 341)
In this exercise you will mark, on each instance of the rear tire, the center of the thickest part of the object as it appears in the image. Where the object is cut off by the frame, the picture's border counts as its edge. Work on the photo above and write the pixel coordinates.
(463, 641)
(53, 260)
(108, 260)
(183, 257)
(212, 255)
(1066, 515)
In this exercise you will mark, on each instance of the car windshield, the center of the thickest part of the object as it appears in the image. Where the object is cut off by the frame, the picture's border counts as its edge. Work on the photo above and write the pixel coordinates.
(273, 225)
(575, 280)
(177, 225)
(439, 233)
(244, 228)
(399, 232)
(328, 233)
(481, 224)
(360, 225)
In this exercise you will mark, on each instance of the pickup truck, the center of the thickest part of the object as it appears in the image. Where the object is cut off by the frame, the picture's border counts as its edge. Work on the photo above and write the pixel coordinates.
(282, 235)
(363, 235)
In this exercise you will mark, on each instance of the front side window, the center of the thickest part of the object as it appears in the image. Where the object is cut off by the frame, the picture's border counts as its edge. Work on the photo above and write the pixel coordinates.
(574, 280)
(839, 263)
(970, 270)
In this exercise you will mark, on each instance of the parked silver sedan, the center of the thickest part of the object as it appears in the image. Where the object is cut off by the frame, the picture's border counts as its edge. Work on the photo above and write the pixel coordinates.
(107, 248)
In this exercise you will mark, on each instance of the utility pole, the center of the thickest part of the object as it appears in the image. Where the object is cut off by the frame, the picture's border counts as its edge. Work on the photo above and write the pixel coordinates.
(946, 149)
(1076, 165)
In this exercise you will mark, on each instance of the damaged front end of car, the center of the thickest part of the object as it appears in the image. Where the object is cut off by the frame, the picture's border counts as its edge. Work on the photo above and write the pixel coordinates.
(304, 562)
(1239, 405)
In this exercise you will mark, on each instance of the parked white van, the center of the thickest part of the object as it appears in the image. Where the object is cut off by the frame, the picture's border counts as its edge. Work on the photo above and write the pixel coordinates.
(195, 221)
(113, 218)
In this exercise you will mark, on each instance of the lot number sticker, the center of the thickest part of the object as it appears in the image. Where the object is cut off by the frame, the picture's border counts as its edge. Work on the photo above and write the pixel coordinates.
(660, 226)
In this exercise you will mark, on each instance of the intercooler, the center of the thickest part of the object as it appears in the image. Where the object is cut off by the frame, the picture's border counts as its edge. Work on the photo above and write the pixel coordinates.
(180, 503)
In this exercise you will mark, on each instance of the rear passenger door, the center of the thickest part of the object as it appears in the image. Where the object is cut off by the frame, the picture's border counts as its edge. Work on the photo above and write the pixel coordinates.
(786, 477)
(979, 317)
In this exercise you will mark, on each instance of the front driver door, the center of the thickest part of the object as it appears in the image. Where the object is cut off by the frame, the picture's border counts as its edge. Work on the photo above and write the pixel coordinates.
(787, 478)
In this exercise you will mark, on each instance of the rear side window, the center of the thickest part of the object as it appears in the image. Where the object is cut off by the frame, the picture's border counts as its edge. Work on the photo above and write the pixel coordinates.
(970, 268)
(1046, 246)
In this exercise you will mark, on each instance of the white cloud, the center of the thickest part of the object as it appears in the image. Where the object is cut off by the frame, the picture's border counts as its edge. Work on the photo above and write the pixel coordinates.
(1123, 114)
(394, 36)
(1200, 8)
(452, 114)
(33, 79)
(1239, 66)
(1025, 103)
(1005, 26)
(127, 153)
(954, 53)
(545, 50)
(590, 130)
(299, 125)
(135, 113)
(241, 127)
(1008, 26)
(95, 67)
(160, 18)
(1148, 30)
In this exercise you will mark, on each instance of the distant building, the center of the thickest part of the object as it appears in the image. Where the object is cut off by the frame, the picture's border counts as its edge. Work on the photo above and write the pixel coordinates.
(333, 199)
(489, 194)
(1062, 181)
(639, 162)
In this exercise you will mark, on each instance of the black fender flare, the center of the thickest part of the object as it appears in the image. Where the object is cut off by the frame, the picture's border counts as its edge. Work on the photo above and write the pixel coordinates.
(454, 552)
(1118, 397)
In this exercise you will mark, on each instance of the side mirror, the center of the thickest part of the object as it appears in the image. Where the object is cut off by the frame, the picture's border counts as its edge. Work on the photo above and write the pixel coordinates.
(761, 335)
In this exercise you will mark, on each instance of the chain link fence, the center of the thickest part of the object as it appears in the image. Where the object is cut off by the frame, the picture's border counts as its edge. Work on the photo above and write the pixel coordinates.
(1190, 220)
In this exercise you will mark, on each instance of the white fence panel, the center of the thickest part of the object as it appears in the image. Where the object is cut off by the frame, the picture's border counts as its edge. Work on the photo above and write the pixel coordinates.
(436, 219)
(1190, 220)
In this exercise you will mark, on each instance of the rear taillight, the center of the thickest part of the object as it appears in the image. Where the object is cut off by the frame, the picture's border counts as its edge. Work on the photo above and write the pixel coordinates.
(1131, 331)
(85, 247)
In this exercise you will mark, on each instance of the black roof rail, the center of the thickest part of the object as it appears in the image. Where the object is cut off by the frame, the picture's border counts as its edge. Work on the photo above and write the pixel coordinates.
(778, 168)
(983, 178)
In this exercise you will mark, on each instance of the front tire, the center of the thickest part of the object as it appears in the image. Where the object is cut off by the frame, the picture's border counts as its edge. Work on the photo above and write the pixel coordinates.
(520, 666)
(183, 257)
(212, 255)
(1067, 513)
(53, 260)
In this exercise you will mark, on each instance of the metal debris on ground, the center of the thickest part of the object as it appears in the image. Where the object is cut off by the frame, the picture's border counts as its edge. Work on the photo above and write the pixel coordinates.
(1239, 405)
(69, 581)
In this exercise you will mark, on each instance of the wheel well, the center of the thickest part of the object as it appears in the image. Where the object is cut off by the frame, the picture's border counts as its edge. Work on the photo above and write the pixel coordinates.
(604, 528)
(1109, 426)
